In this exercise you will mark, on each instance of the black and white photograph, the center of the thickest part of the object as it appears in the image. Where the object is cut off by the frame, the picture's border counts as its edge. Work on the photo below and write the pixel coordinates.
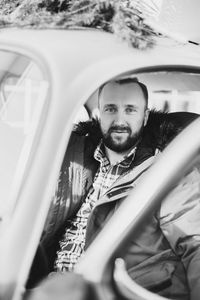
(99, 150)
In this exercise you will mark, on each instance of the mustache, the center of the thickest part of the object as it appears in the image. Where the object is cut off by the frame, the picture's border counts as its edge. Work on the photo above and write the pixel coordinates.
(120, 128)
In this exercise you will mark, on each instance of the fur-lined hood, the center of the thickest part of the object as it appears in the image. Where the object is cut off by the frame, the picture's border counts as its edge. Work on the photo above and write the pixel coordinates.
(161, 128)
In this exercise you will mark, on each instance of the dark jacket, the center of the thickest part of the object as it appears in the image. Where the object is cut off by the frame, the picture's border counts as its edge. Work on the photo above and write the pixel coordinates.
(163, 256)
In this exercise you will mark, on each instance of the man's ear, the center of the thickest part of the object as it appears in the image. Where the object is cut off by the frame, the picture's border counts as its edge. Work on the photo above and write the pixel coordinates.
(146, 116)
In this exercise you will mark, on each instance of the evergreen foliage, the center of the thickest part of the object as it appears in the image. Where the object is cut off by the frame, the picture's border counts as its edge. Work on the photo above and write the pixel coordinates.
(116, 16)
(8, 6)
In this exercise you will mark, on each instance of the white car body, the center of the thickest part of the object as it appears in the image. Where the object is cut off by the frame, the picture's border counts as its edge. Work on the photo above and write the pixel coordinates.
(73, 63)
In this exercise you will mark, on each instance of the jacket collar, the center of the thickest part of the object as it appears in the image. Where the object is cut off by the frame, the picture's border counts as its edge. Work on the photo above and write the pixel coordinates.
(161, 128)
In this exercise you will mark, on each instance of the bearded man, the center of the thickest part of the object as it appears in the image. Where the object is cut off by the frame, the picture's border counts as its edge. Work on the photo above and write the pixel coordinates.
(104, 161)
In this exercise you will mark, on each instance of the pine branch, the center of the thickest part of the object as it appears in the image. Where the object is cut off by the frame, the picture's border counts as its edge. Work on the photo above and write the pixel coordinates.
(116, 16)
(129, 25)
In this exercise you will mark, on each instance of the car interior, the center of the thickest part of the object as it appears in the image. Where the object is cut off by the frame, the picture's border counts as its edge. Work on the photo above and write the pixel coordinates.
(172, 91)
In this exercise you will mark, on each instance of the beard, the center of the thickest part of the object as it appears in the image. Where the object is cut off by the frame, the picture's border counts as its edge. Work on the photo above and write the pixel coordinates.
(116, 142)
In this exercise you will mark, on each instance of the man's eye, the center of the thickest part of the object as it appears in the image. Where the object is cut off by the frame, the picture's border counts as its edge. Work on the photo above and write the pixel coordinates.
(130, 110)
(110, 109)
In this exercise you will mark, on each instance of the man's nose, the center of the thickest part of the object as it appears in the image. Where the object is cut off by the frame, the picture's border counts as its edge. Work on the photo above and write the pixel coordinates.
(120, 118)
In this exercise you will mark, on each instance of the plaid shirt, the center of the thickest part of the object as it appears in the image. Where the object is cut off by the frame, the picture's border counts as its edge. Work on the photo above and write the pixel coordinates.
(73, 242)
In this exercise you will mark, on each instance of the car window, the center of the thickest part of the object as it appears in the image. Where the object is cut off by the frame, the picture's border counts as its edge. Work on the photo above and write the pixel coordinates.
(173, 91)
(168, 91)
(22, 93)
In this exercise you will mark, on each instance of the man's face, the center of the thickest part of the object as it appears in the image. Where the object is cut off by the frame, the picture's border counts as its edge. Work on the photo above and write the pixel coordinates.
(123, 115)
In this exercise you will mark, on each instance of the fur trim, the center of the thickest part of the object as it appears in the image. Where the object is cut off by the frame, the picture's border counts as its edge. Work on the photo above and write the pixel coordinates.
(90, 128)
(161, 128)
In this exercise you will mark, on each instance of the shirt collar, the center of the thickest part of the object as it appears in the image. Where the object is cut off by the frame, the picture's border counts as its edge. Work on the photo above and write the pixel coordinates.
(100, 156)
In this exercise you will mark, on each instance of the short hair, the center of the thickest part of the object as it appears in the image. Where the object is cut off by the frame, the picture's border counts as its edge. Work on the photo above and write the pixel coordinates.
(125, 81)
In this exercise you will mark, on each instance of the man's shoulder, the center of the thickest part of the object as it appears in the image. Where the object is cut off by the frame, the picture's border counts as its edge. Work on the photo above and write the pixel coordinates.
(85, 136)
(183, 198)
(89, 128)
(162, 127)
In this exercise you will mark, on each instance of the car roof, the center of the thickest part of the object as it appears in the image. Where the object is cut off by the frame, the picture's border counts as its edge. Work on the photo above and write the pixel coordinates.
(80, 60)
(95, 45)
(98, 55)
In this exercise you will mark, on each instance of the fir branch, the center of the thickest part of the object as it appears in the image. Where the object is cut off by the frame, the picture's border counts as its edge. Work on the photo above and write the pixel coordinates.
(129, 25)
(120, 17)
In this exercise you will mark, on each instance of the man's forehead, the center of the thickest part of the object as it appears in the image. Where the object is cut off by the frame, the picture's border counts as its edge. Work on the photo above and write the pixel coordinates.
(113, 88)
